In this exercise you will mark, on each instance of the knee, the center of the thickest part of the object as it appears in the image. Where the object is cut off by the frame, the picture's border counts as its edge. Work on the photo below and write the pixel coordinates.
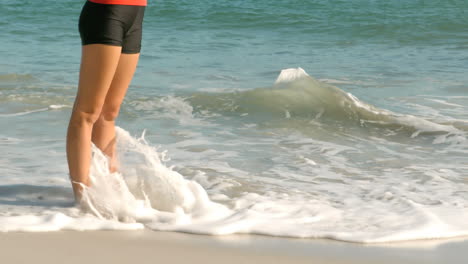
(110, 113)
(80, 117)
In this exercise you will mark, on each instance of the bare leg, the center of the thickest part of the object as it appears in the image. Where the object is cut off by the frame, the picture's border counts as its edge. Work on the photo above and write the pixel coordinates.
(98, 65)
(104, 129)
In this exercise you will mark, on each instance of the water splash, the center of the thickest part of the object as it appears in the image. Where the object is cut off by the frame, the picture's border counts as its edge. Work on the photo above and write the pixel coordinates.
(144, 188)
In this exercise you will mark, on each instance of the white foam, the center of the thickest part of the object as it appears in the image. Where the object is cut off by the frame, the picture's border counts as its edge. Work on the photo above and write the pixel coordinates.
(170, 107)
(420, 124)
(24, 112)
(145, 189)
(57, 221)
(57, 106)
(334, 81)
(9, 140)
(365, 106)
(290, 75)
(444, 102)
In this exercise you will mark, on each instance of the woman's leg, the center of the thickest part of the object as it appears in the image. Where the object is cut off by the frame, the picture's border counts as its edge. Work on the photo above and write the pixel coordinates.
(98, 65)
(104, 129)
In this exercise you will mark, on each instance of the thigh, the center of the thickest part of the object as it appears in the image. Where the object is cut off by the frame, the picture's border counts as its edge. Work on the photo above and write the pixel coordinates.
(98, 66)
(120, 82)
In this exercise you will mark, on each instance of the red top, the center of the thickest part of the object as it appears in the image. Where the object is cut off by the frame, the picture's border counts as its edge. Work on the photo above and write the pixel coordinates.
(120, 2)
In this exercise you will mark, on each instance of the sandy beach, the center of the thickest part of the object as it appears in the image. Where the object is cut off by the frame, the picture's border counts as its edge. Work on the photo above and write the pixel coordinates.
(164, 247)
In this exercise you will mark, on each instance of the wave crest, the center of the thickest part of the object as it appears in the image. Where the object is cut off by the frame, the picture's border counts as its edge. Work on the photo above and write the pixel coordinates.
(291, 74)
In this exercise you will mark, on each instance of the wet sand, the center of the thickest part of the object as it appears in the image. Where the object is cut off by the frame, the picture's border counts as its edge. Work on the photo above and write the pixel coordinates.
(167, 247)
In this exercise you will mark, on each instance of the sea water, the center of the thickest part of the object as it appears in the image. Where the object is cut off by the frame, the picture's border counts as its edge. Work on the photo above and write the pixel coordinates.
(314, 119)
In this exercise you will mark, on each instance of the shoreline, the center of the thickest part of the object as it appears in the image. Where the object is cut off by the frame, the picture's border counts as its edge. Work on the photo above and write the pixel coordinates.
(147, 246)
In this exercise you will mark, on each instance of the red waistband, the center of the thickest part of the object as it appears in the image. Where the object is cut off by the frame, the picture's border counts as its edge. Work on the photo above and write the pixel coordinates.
(120, 2)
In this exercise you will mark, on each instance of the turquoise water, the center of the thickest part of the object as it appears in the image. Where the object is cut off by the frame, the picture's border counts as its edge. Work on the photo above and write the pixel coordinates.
(380, 126)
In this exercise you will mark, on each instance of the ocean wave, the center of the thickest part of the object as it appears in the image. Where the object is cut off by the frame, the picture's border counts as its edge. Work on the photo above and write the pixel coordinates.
(296, 95)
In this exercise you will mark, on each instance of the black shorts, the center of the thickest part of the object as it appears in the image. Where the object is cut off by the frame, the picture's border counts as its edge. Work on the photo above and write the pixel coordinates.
(117, 25)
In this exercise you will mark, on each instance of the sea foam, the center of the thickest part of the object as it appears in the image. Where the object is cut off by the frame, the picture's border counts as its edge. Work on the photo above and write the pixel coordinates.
(290, 75)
